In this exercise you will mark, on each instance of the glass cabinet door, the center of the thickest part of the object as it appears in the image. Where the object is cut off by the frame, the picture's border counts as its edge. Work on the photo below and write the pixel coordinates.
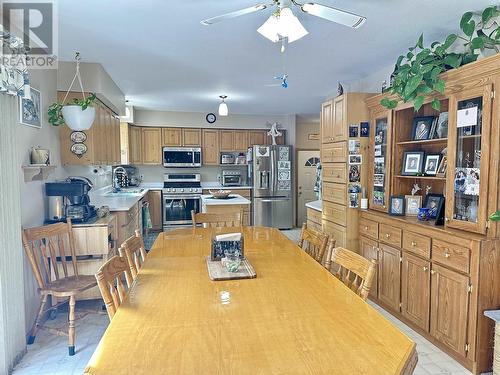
(380, 154)
(468, 159)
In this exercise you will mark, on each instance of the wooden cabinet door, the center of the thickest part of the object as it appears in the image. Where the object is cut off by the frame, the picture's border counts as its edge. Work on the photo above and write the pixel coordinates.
(191, 137)
(210, 148)
(227, 140)
(339, 128)
(118, 139)
(134, 145)
(257, 137)
(369, 249)
(327, 122)
(416, 290)
(389, 276)
(151, 146)
(449, 308)
(240, 140)
(154, 199)
(171, 136)
(109, 142)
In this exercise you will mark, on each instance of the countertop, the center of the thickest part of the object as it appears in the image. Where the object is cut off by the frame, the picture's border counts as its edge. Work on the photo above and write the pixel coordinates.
(95, 222)
(316, 205)
(218, 186)
(235, 199)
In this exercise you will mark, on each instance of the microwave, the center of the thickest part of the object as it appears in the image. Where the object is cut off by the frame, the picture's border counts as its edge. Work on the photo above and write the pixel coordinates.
(181, 157)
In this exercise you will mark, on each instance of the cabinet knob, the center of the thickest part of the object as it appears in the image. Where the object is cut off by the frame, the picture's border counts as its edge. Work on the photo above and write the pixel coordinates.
(387, 235)
(447, 254)
(425, 268)
(413, 243)
(433, 272)
(446, 219)
(366, 227)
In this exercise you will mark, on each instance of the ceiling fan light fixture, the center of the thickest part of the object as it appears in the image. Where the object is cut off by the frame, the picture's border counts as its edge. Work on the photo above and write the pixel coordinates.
(223, 109)
(335, 15)
(282, 24)
(269, 29)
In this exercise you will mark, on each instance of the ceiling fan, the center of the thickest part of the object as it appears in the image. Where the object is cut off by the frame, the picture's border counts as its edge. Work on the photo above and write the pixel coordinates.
(284, 24)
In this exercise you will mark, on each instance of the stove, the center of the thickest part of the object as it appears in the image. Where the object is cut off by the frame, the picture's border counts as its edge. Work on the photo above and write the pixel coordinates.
(181, 195)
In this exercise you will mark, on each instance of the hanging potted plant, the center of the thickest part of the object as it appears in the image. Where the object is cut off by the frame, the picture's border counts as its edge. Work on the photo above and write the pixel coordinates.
(78, 114)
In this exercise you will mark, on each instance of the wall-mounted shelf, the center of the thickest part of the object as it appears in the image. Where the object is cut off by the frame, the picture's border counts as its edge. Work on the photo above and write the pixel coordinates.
(422, 177)
(37, 172)
(424, 141)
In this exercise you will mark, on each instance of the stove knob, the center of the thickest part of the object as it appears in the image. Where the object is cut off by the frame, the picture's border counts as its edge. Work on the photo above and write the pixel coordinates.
(191, 190)
(182, 190)
(173, 190)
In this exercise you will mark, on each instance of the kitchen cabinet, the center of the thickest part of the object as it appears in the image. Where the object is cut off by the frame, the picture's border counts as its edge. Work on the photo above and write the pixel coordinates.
(155, 209)
(100, 141)
(340, 129)
(128, 222)
(191, 137)
(171, 136)
(449, 308)
(389, 276)
(135, 145)
(210, 147)
(314, 220)
(227, 140)
(369, 249)
(241, 140)
(257, 137)
(151, 146)
(415, 290)
(326, 120)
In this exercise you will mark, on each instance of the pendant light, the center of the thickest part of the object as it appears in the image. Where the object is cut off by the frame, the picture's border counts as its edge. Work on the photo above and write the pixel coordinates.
(223, 110)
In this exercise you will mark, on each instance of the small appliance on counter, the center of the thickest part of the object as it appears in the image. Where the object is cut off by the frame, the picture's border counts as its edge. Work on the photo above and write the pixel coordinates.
(226, 158)
(125, 176)
(231, 178)
(69, 199)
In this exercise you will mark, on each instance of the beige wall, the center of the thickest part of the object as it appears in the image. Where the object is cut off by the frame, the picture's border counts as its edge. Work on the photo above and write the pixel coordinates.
(302, 131)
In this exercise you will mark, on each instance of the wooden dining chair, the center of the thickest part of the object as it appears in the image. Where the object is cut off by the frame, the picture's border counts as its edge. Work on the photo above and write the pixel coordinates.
(211, 220)
(110, 281)
(313, 243)
(134, 251)
(353, 270)
(50, 250)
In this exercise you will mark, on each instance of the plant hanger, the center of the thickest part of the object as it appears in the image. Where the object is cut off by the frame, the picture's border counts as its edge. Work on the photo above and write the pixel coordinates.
(77, 75)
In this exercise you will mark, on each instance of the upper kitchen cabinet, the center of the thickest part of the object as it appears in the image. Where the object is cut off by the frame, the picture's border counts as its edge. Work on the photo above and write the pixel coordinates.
(227, 140)
(327, 122)
(187, 137)
(257, 137)
(99, 145)
(135, 145)
(191, 137)
(210, 147)
(151, 146)
(241, 140)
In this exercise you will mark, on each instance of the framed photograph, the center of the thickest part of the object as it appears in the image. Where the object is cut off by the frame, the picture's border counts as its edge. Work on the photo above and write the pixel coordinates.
(355, 159)
(30, 110)
(354, 173)
(412, 163)
(431, 164)
(354, 187)
(379, 165)
(442, 126)
(435, 204)
(443, 166)
(378, 180)
(313, 137)
(422, 127)
(378, 198)
(353, 130)
(413, 203)
(364, 129)
(353, 200)
(397, 205)
(354, 146)
(378, 150)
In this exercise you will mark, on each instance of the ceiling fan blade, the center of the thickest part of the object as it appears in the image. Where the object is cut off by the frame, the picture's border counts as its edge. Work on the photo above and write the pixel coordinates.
(237, 13)
(335, 15)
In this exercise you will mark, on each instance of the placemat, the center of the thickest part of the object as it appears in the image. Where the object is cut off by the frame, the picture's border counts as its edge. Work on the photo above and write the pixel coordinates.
(216, 271)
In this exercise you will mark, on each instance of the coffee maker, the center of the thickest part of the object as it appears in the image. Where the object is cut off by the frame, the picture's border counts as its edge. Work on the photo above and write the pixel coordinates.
(69, 199)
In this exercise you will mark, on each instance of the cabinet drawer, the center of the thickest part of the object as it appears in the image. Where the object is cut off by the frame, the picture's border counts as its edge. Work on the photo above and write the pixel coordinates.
(336, 232)
(314, 216)
(450, 255)
(334, 153)
(314, 226)
(368, 228)
(417, 244)
(336, 193)
(335, 172)
(334, 213)
(390, 235)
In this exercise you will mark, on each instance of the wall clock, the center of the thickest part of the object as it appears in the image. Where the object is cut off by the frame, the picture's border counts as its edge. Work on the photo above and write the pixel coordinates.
(211, 118)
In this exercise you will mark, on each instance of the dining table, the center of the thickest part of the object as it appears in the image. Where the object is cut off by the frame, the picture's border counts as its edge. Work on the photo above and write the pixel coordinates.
(294, 317)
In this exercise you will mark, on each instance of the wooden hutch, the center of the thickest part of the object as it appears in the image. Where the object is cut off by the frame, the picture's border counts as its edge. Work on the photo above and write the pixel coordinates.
(440, 279)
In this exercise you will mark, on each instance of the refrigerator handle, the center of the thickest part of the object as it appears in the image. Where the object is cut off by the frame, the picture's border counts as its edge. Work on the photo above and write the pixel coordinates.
(273, 169)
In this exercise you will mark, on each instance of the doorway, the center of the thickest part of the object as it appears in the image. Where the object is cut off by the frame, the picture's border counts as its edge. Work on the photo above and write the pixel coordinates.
(307, 161)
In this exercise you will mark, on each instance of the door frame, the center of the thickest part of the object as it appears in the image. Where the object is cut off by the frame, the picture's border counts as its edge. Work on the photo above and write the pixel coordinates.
(296, 179)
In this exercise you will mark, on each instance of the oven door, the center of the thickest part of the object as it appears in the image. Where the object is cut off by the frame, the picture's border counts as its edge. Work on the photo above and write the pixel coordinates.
(231, 180)
(177, 209)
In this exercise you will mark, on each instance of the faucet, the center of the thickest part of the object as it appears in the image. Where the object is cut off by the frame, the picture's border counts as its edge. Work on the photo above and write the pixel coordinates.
(115, 184)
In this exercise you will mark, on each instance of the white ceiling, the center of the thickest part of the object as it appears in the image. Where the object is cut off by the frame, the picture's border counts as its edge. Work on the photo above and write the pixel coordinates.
(162, 58)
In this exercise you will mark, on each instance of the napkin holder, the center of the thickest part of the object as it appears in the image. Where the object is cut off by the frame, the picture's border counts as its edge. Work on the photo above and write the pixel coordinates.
(226, 243)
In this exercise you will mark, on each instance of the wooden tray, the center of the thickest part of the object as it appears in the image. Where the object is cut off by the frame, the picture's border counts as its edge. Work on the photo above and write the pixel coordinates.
(216, 271)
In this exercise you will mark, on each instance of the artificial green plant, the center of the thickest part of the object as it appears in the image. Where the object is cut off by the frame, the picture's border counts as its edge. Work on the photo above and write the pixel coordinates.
(55, 116)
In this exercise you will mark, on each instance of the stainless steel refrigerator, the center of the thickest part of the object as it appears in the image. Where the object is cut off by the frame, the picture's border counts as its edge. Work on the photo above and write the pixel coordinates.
(271, 172)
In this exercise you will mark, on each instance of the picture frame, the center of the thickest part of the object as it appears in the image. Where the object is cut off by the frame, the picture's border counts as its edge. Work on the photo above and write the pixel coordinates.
(435, 204)
(442, 126)
(443, 166)
(431, 164)
(364, 129)
(397, 205)
(356, 159)
(354, 173)
(413, 204)
(412, 163)
(313, 137)
(422, 127)
(353, 200)
(30, 110)
(353, 130)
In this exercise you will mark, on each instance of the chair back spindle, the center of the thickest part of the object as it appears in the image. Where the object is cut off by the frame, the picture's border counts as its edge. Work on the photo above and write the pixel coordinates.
(313, 243)
(134, 251)
(213, 220)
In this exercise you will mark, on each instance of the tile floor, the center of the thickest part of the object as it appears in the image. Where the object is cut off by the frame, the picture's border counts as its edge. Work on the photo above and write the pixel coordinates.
(48, 355)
